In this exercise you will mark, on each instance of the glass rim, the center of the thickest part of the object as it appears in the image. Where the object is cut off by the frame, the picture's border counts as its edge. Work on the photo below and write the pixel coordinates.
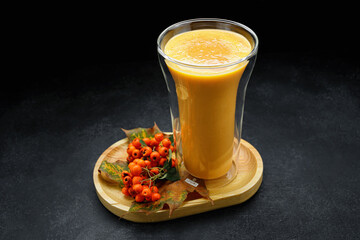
(175, 25)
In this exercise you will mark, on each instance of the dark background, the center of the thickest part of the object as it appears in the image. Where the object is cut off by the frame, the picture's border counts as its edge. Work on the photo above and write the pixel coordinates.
(76, 75)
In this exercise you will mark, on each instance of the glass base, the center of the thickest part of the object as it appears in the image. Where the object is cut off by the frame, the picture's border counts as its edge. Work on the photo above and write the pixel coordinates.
(224, 180)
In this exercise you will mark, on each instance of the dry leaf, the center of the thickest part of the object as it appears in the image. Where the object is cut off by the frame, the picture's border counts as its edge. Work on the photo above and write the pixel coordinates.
(174, 194)
(141, 132)
(111, 172)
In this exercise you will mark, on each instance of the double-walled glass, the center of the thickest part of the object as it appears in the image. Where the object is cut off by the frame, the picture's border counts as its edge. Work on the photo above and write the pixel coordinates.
(207, 102)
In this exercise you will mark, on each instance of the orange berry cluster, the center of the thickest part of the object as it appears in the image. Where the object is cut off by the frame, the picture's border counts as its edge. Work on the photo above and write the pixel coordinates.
(146, 158)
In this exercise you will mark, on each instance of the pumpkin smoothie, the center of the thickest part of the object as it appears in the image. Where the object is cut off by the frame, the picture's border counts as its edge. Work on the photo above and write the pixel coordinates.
(207, 96)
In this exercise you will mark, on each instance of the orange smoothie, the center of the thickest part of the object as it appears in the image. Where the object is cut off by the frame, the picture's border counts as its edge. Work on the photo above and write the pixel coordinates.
(207, 96)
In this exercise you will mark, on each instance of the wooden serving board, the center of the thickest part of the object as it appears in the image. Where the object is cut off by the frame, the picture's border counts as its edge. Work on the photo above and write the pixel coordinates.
(245, 185)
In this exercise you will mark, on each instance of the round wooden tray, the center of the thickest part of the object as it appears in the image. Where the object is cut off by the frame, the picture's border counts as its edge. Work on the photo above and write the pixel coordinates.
(245, 185)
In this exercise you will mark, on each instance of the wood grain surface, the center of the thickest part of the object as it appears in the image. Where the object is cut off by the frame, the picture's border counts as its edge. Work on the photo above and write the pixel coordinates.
(244, 185)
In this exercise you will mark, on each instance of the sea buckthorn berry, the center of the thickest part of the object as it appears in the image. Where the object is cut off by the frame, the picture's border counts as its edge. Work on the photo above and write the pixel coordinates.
(154, 189)
(154, 143)
(159, 137)
(139, 198)
(154, 164)
(147, 163)
(136, 180)
(136, 153)
(146, 192)
(154, 171)
(136, 170)
(127, 180)
(148, 199)
(155, 197)
(166, 142)
(146, 151)
(138, 188)
(131, 165)
(125, 191)
(155, 156)
(173, 162)
(131, 191)
(162, 161)
(130, 144)
(147, 141)
(141, 163)
(136, 142)
(125, 173)
(171, 148)
(164, 151)
(129, 158)
(130, 149)
(136, 160)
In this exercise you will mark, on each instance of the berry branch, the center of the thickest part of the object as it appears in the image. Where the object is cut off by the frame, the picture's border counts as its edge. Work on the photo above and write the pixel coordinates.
(150, 159)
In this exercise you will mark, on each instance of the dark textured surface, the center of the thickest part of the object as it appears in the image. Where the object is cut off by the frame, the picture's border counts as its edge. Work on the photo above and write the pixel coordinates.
(302, 113)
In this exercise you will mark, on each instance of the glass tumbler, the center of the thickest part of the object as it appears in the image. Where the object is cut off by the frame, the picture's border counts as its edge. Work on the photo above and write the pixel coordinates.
(207, 104)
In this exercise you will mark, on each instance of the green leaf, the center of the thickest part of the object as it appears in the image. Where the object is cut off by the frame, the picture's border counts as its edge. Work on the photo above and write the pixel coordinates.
(171, 138)
(167, 164)
(143, 144)
(170, 154)
(172, 174)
